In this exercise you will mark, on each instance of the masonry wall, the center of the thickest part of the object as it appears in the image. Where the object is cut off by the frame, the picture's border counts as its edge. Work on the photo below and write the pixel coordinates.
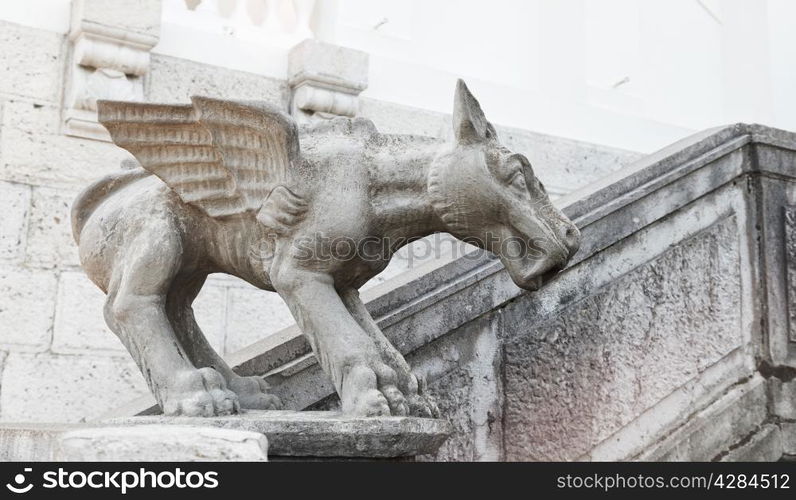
(58, 361)
(618, 355)
(664, 330)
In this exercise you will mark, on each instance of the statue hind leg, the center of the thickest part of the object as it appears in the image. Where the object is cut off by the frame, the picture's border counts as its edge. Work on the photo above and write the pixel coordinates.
(135, 310)
(252, 391)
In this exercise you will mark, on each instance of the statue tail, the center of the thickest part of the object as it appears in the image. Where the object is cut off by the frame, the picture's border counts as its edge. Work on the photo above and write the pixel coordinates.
(91, 197)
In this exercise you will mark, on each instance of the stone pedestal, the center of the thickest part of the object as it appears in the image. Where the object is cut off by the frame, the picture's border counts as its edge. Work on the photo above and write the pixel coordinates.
(251, 436)
(30, 442)
(316, 435)
(162, 443)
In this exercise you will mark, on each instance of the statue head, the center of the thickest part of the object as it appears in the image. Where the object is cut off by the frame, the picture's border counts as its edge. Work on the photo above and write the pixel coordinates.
(489, 196)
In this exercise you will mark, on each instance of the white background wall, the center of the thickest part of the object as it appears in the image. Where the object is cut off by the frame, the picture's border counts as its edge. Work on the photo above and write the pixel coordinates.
(624, 73)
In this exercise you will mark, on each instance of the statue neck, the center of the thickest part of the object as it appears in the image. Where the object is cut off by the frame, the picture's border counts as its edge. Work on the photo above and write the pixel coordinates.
(400, 200)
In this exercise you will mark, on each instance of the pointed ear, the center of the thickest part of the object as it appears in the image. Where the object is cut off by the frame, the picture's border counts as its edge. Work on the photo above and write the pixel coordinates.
(469, 123)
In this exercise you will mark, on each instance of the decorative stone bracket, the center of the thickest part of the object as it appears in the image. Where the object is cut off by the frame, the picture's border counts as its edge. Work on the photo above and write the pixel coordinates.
(108, 59)
(325, 80)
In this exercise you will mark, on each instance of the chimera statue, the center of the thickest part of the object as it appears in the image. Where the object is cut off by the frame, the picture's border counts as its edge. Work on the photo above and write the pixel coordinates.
(237, 188)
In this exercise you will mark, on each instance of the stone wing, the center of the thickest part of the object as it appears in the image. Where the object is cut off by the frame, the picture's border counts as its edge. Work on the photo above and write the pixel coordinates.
(223, 157)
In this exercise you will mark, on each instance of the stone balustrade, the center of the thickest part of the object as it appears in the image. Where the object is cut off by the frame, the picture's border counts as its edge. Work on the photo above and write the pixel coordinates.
(257, 21)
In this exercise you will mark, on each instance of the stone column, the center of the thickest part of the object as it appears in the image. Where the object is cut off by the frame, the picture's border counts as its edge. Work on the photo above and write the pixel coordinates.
(325, 80)
(108, 58)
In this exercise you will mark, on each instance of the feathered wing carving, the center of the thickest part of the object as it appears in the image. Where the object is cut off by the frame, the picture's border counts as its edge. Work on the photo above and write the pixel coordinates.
(223, 157)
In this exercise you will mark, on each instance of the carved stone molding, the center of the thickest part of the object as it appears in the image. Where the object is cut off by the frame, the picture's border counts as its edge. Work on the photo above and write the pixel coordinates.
(790, 263)
(326, 80)
(109, 56)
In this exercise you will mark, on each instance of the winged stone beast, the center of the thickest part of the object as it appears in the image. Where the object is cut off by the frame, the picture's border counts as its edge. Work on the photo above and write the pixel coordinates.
(215, 179)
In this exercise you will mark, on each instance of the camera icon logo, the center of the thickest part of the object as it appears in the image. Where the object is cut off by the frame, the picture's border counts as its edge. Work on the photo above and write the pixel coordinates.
(19, 483)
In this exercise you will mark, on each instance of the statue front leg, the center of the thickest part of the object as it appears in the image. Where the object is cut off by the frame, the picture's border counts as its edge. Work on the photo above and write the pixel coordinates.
(420, 403)
(366, 385)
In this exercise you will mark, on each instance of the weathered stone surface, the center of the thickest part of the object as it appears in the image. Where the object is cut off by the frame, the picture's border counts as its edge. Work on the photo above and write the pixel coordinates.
(316, 60)
(31, 74)
(108, 57)
(466, 371)
(79, 325)
(776, 191)
(575, 380)
(74, 387)
(27, 306)
(325, 79)
(555, 159)
(764, 446)
(15, 206)
(783, 397)
(3, 356)
(790, 263)
(212, 313)
(35, 152)
(161, 443)
(323, 433)
(176, 80)
(50, 241)
(788, 430)
(559, 160)
(29, 442)
(708, 433)
(136, 16)
(391, 118)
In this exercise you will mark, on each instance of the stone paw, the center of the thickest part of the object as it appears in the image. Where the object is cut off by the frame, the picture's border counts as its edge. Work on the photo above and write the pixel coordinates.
(419, 402)
(369, 403)
(422, 405)
(396, 401)
(368, 395)
(198, 393)
(253, 394)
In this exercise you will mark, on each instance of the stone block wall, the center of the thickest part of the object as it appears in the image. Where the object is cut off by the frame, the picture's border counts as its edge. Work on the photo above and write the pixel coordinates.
(666, 339)
(58, 361)
(578, 379)
(609, 371)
